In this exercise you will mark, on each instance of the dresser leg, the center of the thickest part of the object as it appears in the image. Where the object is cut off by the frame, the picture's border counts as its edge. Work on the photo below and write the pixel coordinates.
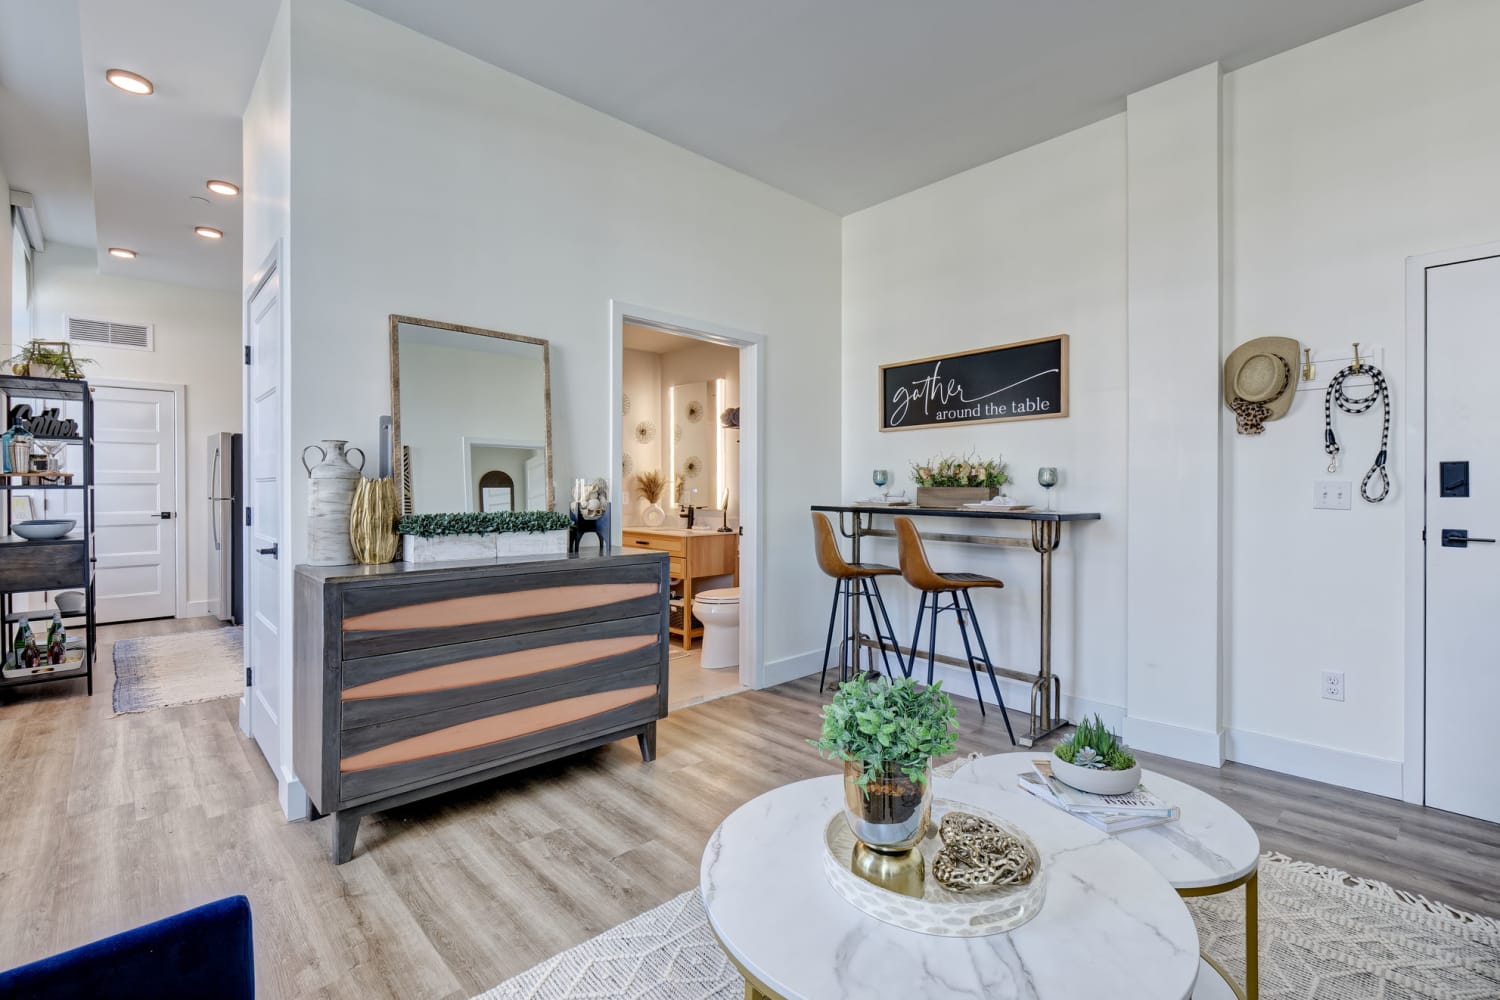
(345, 826)
(647, 739)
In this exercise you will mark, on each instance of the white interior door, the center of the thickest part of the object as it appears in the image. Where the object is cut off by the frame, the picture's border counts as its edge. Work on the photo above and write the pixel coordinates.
(1463, 581)
(263, 535)
(136, 516)
(536, 482)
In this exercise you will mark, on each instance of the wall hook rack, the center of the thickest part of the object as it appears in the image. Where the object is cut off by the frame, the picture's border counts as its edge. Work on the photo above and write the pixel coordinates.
(1358, 364)
(1308, 371)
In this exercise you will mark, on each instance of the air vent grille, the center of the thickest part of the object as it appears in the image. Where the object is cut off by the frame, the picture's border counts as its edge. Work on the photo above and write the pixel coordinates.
(100, 331)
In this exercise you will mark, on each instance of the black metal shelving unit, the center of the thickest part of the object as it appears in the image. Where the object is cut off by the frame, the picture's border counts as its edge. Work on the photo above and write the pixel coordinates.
(66, 563)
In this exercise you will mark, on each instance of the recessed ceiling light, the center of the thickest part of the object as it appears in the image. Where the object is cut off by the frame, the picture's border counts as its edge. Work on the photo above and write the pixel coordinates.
(223, 187)
(122, 252)
(209, 232)
(131, 83)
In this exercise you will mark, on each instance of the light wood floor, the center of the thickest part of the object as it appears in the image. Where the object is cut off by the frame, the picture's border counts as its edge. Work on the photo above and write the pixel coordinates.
(106, 823)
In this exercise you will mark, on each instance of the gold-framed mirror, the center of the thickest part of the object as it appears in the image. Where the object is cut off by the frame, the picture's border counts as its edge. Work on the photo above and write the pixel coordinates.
(471, 418)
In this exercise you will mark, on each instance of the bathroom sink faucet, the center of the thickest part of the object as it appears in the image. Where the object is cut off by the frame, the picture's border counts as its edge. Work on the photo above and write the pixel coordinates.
(687, 512)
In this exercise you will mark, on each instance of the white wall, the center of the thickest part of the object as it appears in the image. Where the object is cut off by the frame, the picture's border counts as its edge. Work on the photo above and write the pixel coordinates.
(1344, 157)
(428, 183)
(1030, 245)
(197, 345)
(1340, 159)
(6, 291)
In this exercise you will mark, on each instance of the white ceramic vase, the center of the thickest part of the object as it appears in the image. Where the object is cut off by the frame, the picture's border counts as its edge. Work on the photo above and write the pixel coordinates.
(330, 497)
(652, 515)
(1096, 781)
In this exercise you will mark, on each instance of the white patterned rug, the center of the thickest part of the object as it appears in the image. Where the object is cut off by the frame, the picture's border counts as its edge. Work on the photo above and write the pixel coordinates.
(1323, 936)
(184, 668)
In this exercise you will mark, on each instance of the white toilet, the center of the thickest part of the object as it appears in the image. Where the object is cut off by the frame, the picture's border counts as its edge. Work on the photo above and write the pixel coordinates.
(719, 611)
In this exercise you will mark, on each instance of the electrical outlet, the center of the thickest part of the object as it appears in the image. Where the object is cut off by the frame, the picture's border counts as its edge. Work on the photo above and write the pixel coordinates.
(1333, 685)
(1331, 495)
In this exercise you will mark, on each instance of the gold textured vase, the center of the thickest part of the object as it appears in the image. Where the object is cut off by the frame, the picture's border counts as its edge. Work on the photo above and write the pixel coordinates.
(372, 521)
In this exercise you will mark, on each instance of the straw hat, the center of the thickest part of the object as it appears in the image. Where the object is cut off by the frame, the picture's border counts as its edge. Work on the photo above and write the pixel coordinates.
(1257, 372)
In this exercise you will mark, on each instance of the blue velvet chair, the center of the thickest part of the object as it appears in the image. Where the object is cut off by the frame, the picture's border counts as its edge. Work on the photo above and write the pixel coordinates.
(203, 952)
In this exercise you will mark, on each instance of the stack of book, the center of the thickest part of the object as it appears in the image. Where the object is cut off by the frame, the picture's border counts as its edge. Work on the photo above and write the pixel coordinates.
(1110, 813)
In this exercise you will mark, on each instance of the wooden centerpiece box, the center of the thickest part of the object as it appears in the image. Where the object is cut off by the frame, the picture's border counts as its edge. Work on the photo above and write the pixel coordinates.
(414, 679)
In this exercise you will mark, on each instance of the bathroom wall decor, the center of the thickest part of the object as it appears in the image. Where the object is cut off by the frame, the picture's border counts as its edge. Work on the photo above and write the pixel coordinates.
(1027, 380)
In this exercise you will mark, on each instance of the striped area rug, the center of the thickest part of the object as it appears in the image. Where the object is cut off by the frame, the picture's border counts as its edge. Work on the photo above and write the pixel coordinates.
(183, 668)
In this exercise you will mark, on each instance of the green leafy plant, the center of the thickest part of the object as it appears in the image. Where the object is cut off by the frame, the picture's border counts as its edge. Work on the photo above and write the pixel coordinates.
(883, 724)
(1093, 746)
(494, 522)
(54, 354)
(951, 470)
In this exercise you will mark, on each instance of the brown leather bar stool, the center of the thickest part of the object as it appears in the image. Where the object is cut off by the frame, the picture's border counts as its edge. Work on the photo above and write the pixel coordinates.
(851, 582)
(933, 585)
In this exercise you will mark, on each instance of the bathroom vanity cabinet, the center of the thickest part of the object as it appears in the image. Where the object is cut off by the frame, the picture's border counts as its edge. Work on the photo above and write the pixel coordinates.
(412, 679)
(692, 555)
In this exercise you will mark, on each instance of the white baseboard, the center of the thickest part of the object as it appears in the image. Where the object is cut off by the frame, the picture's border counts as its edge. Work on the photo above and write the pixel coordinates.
(194, 609)
(1017, 694)
(1201, 746)
(789, 668)
(1360, 772)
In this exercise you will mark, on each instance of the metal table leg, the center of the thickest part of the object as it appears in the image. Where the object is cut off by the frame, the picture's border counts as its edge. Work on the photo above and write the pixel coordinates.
(1046, 690)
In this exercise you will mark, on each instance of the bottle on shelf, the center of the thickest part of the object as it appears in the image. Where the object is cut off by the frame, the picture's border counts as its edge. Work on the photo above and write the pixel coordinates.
(27, 655)
(57, 640)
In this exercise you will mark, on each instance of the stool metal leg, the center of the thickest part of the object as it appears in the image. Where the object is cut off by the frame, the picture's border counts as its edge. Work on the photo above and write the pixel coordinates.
(911, 667)
(865, 587)
(889, 629)
(989, 666)
(968, 652)
(833, 616)
(932, 638)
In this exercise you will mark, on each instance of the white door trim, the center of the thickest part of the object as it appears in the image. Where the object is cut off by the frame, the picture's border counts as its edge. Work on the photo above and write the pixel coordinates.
(752, 348)
(179, 487)
(1413, 769)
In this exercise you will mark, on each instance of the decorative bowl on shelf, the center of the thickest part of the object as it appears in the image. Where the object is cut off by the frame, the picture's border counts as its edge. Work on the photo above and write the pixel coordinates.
(43, 530)
(1097, 781)
(71, 602)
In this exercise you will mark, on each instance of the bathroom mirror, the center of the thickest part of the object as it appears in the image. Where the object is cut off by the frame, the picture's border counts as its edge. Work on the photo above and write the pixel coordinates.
(471, 418)
(692, 443)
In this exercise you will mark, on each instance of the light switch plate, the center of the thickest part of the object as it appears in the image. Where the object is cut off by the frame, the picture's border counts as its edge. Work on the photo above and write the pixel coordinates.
(1332, 495)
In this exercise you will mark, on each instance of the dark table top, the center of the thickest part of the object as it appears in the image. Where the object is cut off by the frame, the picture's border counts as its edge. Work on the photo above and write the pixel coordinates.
(912, 510)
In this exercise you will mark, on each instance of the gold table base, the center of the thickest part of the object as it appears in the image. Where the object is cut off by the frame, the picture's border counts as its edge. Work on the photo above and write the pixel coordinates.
(1251, 989)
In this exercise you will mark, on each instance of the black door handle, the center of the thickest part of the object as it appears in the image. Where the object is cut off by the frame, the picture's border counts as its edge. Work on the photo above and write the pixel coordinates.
(270, 551)
(1459, 538)
(166, 515)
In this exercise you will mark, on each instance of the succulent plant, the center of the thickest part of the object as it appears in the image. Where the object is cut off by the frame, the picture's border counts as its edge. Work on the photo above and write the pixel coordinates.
(1093, 746)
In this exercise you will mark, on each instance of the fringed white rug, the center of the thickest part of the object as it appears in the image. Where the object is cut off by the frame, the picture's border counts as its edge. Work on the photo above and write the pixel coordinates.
(1324, 935)
(184, 668)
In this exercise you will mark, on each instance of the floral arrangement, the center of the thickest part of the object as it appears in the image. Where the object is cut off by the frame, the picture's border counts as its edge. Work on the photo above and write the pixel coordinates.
(882, 724)
(1093, 746)
(493, 522)
(950, 470)
(650, 484)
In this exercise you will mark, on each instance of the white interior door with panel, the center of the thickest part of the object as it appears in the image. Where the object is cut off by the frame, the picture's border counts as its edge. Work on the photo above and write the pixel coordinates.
(1462, 524)
(262, 492)
(135, 501)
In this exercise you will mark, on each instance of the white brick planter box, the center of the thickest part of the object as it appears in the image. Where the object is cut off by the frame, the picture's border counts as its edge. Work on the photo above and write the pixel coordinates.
(453, 548)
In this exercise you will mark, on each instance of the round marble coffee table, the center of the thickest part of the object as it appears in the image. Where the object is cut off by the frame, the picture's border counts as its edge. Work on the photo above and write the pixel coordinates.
(1209, 849)
(1111, 925)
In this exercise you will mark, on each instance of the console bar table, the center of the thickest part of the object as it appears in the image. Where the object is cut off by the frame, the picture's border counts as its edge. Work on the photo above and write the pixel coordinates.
(1046, 535)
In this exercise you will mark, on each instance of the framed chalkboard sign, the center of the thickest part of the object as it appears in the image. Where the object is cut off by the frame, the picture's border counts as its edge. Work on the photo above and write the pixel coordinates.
(1022, 381)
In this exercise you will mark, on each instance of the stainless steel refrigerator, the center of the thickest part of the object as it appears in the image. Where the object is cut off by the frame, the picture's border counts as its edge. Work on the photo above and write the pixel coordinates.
(226, 516)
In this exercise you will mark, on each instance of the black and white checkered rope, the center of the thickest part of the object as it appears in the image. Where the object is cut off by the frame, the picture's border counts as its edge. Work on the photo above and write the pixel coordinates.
(1355, 405)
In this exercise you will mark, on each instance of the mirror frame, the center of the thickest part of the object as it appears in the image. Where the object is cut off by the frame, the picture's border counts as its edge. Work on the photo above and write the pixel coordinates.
(397, 471)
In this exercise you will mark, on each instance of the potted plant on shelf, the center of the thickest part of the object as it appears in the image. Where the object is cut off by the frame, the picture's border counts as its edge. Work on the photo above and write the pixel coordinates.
(950, 481)
(48, 359)
(1096, 760)
(887, 733)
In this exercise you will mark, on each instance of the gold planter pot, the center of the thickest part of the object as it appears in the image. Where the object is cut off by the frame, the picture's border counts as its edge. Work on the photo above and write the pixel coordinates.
(372, 521)
(889, 818)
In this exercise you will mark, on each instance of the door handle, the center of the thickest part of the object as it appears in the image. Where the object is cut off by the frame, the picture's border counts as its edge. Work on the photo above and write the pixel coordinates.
(1459, 538)
(166, 515)
(268, 551)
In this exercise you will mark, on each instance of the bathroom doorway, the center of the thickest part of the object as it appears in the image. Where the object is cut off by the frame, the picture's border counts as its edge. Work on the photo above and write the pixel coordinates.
(686, 475)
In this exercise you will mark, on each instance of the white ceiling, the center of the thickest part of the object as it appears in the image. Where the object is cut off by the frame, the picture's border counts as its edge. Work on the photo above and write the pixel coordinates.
(841, 102)
(112, 169)
(846, 103)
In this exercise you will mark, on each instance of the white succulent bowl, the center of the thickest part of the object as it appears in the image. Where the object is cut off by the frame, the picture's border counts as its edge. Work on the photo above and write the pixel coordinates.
(1097, 781)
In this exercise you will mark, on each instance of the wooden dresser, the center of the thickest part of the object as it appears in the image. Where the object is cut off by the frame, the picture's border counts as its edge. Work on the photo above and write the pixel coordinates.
(693, 555)
(414, 679)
